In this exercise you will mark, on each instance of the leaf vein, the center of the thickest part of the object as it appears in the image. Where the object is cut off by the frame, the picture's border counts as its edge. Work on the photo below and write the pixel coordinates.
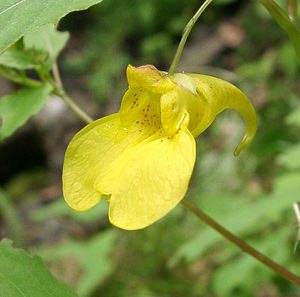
(14, 285)
(14, 5)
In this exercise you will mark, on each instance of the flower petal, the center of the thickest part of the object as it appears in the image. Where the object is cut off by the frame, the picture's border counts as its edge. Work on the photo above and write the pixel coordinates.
(149, 180)
(140, 108)
(220, 95)
(140, 111)
(149, 78)
(172, 111)
(91, 150)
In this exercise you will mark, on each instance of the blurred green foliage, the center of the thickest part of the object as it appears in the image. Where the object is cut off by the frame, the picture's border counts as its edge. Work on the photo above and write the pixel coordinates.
(251, 195)
(90, 259)
(29, 276)
(121, 32)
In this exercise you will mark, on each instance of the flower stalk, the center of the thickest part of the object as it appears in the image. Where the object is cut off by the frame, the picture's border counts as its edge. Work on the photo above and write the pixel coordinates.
(186, 32)
(241, 244)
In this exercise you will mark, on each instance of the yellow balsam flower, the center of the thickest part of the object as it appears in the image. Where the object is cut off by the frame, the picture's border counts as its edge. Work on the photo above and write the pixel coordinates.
(142, 157)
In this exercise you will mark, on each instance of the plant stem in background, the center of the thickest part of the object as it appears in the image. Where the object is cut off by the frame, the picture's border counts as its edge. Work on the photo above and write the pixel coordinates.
(185, 35)
(61, 93)
(292, 8)
(55, 69)
(73, 106)
(284, 21)
(22, 80)
(11, 217)
(59, 89)
(241, 244)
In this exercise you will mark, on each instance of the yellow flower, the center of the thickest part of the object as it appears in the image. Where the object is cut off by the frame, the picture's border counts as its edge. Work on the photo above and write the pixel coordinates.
(142, 157)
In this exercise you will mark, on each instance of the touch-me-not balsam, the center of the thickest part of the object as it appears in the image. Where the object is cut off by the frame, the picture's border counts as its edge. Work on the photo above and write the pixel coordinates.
(142, 157)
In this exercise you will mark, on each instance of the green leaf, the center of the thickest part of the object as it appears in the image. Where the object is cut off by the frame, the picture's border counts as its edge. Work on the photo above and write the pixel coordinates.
(40, 47)
(17, 108)
(22, 275)
(92, 257)
(14, 58)
(46, 38)
(18, 17)
(291, 157)
(294, 117)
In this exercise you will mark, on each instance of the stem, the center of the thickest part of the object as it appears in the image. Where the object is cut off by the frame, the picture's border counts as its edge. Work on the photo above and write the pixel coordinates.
(284, 21)
(73, 106)
(55, 69)
(56, 75)
(11, 217)
(59, 89)
(293, 10)
(22, 80)
(241, 244)
(28, 82)
(185, 35)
